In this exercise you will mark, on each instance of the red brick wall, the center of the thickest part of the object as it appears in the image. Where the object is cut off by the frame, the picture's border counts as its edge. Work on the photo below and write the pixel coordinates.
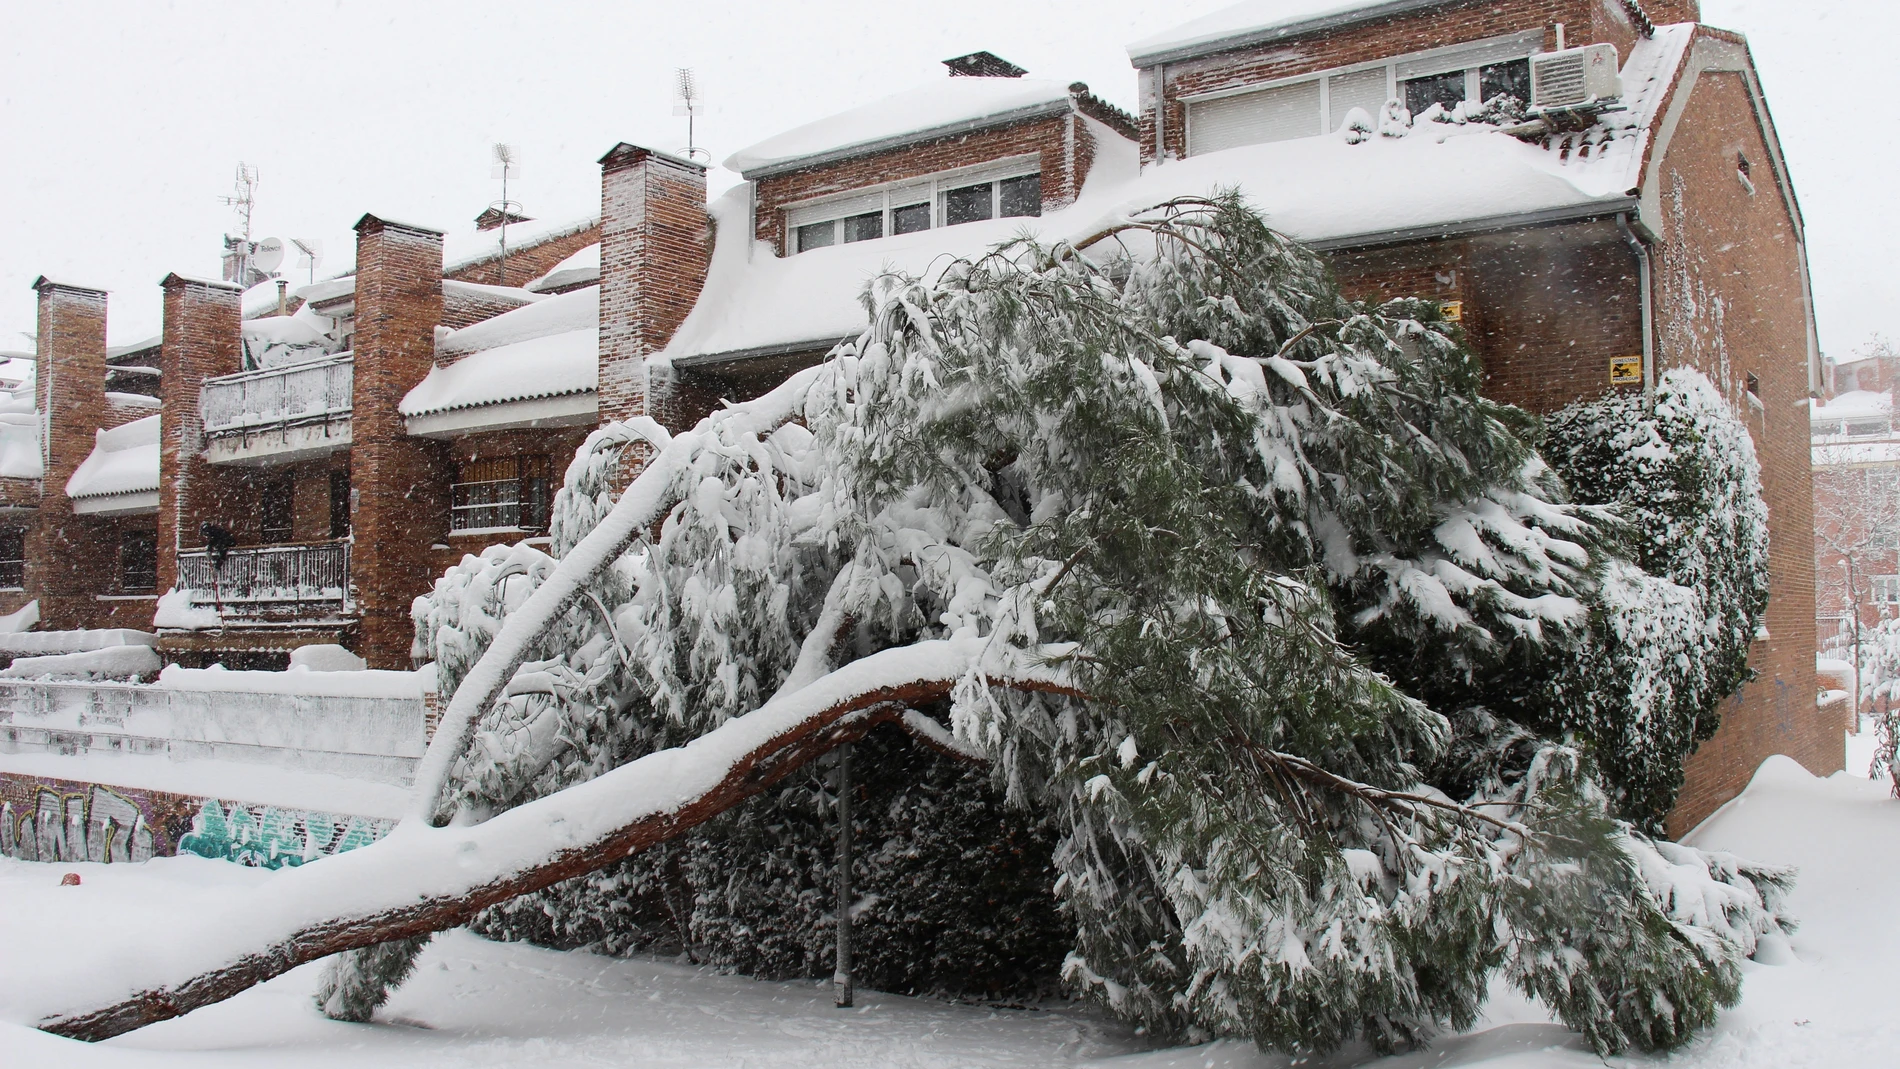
(1730, 301)
(400, 483)
(558, 444)
(655, 244)
(76, 558)
(526, 263)
(1585, 22)
(200, 340)
(1066, 148)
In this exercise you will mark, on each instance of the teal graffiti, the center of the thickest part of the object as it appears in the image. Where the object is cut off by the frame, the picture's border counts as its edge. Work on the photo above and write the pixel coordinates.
(273, 838)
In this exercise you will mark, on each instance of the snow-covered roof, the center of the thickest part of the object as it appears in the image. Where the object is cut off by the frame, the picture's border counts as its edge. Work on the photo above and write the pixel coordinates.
(1258, 21)
(123, 461)
(1438, 179)
(466, 247)
(941, 108)
(547, 349)
(113, 352)
(583, 266)
(1854, 404)
(20, 435)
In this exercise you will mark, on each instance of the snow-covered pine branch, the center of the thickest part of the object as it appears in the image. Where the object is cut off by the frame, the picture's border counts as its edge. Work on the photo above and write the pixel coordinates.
(1284, 564)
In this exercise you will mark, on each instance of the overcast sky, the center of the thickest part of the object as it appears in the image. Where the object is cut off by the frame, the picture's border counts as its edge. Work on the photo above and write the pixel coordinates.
(121, 123)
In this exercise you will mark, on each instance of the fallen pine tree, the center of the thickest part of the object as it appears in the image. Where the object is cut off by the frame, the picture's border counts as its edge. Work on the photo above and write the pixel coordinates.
(1246, 584)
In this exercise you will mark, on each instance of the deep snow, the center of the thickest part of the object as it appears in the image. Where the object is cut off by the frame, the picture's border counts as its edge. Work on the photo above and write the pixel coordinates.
(474, 1003)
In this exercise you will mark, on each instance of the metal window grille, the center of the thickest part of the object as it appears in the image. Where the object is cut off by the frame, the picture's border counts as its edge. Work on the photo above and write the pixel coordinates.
(12, 558)
(138, 563)
(501, 492)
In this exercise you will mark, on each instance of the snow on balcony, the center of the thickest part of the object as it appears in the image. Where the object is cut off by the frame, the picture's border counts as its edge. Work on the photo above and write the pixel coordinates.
(278, 414)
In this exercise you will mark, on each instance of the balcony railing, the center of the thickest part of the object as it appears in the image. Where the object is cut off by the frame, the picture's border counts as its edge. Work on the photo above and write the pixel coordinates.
(295, 580)
(309, 392)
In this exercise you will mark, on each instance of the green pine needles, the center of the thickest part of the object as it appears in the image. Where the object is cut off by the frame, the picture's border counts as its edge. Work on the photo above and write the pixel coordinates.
(1349, 661)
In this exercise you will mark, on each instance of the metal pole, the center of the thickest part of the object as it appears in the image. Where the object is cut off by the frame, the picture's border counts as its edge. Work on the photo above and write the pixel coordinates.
(841, 978)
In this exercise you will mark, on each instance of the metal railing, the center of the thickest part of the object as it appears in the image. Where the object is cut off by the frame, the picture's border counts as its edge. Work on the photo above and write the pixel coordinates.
(312, 391)
(280, 580)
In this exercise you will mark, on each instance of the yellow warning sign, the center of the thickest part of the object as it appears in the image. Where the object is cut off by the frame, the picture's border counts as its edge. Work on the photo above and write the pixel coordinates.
(1625, 370)
(1454, 311)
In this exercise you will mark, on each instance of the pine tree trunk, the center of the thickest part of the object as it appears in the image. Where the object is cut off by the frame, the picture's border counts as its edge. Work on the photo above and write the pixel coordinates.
(783, 737)
(841, 978)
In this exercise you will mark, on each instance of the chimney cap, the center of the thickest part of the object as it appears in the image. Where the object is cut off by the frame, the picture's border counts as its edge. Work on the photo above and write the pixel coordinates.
(176, 279)
(372, 223)
(626, 154)
(983, 65)
(42, 283)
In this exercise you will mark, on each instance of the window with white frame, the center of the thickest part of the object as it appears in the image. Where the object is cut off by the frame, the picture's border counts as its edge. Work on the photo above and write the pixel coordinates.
(1887, 589)
(1006, 190)
(1314, 104)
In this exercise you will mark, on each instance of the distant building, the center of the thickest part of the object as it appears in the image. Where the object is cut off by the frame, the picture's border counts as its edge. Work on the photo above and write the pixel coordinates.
(1856, 457)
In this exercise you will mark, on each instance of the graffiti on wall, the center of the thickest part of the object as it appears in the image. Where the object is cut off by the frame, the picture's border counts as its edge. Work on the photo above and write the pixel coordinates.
(271, 838)
(59, 820)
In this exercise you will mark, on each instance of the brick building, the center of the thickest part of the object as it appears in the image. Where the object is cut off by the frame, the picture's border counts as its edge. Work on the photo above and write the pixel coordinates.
(1855, 451)
(247, 414)
(422, 406)
(1643, 221)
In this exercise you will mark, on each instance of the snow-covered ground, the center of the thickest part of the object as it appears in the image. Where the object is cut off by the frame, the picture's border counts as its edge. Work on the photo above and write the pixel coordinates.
(1827, 1002)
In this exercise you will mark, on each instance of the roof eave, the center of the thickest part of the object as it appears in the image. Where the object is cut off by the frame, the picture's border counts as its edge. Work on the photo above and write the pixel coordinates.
(1569, 213)
(709, 361)
(1270, 34)
(905, 140)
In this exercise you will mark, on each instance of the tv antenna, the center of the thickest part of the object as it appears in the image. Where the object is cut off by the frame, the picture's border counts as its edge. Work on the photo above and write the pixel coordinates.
(309, 253)
(243, 199)
(688, 101)
(507, 164)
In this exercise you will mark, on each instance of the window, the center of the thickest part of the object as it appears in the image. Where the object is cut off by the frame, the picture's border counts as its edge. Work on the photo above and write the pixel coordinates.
(967, 205)
(138, 562)
(1867, 428)
(1020, 197)
(817, 235)
(1446, 89)
(1887, 589)
(910, 218)
(339, 503)
(1511, 79)
(864, 227)
(1315, 104)
(508, 492)
(12, 558)
(1007, 190)
(275, 511)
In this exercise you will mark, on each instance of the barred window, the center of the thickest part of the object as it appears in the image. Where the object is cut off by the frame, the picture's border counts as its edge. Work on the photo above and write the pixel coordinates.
(12, 558)
(511, 492)
(138, 562)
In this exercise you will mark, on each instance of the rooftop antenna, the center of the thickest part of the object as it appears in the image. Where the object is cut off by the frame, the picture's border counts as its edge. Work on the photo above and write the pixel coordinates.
(687, 101)
(243, 199)
(309, 253)
(507, 164)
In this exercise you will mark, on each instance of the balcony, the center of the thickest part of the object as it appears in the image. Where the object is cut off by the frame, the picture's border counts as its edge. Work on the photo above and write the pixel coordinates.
(278, 414)
(296, 582)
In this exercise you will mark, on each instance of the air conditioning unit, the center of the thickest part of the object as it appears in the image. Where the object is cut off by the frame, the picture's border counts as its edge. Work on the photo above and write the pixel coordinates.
(1574, 77)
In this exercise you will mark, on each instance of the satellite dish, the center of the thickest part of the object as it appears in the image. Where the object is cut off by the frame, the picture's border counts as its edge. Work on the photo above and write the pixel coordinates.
(268, 255)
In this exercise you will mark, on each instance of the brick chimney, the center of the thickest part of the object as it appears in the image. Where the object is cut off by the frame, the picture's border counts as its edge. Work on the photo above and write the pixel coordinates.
(70, 394)
(654, 245)
(200, 340)
(399, 484)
